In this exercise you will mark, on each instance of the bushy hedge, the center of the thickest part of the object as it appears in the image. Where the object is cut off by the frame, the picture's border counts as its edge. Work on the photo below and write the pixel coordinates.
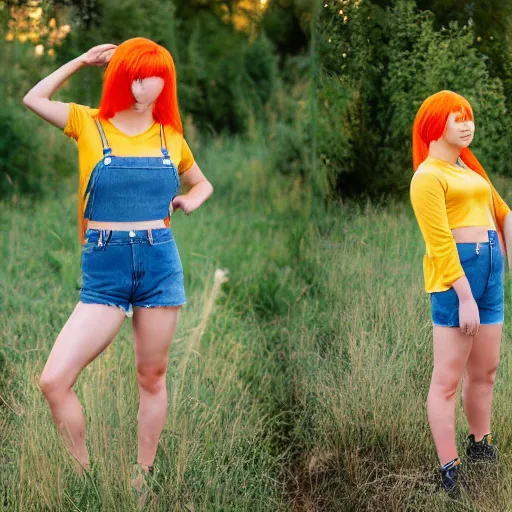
(224, 79)
(378, 65)
(19, 163)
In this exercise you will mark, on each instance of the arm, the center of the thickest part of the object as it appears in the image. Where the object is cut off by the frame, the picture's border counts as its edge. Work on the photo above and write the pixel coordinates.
(503, 223)
(429, 204)
(463, 290)
(38, 99)
(199, 189)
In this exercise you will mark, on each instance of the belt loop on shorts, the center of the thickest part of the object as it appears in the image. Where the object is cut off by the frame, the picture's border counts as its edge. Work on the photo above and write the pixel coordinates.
(478, 248)
(150, 236)
(100, 238)
(108, 237)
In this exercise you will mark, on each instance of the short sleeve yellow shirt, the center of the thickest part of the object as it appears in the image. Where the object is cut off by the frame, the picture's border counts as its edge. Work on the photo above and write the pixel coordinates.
(82, 127)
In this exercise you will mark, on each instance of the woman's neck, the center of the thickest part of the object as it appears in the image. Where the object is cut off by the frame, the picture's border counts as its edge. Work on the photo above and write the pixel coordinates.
(442, 151)
(134, 120)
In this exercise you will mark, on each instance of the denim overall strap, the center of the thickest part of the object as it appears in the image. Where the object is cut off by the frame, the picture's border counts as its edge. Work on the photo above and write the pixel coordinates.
(163, 145)
(107, 151)
(106, 148)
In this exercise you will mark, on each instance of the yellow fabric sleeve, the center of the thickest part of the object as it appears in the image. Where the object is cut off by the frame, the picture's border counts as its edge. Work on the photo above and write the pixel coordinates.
(501, 210)
(187, 159)
(75, 122)
(429, 205)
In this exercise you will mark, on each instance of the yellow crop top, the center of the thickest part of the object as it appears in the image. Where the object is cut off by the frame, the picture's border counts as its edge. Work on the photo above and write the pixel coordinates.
(444, 197)
(81, 126)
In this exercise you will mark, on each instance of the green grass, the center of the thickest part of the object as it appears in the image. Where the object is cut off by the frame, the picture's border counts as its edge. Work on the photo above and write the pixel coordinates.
(363, 363)
(224, 446)
(299, 384)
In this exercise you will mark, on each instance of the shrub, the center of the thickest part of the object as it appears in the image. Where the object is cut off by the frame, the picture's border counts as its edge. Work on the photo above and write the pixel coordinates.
(378, 67)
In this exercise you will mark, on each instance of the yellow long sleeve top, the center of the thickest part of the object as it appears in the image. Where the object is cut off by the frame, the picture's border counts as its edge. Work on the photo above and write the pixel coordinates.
(444, 197)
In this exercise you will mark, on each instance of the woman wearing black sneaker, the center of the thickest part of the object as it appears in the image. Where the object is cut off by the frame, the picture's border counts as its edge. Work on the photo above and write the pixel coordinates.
(464, 223)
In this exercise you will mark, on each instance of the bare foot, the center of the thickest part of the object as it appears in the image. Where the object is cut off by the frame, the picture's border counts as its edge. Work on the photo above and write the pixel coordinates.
(81, 466)
(139, 484)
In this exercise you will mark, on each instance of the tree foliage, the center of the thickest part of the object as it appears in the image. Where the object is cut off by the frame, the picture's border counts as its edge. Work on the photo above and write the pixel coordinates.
(378, 65)
(228, 76)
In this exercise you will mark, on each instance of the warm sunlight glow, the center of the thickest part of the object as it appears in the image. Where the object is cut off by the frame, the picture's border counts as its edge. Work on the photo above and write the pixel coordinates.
(248, 13)
(26, 25)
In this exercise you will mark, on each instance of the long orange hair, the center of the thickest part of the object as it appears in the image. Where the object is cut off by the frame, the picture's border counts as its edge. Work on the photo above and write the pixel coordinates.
(134, 59)
(430, 124)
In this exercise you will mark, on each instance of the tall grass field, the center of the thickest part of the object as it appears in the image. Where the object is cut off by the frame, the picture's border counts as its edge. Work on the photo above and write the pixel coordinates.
(222, 447)
(363, 362)
(298, 376)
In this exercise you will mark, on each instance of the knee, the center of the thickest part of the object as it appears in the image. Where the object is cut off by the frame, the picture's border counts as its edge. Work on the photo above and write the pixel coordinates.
(483, 376)
(443, 388)
(50, 384)
(151, 378)
(490, 374)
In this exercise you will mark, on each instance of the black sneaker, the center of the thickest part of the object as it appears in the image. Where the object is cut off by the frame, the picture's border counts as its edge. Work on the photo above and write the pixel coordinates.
(481, 451)
(450, 477)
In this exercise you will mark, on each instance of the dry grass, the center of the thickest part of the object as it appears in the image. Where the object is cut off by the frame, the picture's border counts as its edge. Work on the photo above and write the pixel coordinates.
(218, 449)
(364, 368)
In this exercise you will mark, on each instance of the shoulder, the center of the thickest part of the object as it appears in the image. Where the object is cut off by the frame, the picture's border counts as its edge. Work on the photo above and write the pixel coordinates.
(427, 167)
(79, 116)
(84, 109)
(428, 173)
(177, 144)
(172, 136)
(427, 184)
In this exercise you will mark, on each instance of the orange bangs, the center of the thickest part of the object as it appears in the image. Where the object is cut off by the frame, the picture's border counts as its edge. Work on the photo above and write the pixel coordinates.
(134, 59)
(431, 120)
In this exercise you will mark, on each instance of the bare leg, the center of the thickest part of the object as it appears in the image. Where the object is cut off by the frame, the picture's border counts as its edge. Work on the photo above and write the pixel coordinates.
(153, 330)
(87, 332)
(451, 351)
(478, 383)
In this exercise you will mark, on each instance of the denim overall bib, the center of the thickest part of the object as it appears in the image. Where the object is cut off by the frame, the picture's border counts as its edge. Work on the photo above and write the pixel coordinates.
(136, 267)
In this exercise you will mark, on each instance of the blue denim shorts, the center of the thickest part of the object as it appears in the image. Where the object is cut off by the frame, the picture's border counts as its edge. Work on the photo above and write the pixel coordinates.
(483, 264)
(131, 268)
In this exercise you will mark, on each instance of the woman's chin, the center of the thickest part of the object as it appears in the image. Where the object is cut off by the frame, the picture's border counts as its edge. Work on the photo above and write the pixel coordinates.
(141, 107)
(464, 145)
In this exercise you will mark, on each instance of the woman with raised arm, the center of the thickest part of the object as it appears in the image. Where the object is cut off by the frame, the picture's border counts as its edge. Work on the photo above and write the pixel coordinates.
(465, 224)
(132, 159)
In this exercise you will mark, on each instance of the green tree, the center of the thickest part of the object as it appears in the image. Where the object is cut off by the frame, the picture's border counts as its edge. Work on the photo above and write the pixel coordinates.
(286, 23)
(492, 25)
(378, 67)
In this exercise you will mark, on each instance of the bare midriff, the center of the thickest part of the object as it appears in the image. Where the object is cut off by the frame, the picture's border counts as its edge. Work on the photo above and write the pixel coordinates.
(126, 226)
(471, 234)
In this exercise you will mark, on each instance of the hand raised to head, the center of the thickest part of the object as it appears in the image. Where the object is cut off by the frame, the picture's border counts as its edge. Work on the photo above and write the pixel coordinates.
(99, 55)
